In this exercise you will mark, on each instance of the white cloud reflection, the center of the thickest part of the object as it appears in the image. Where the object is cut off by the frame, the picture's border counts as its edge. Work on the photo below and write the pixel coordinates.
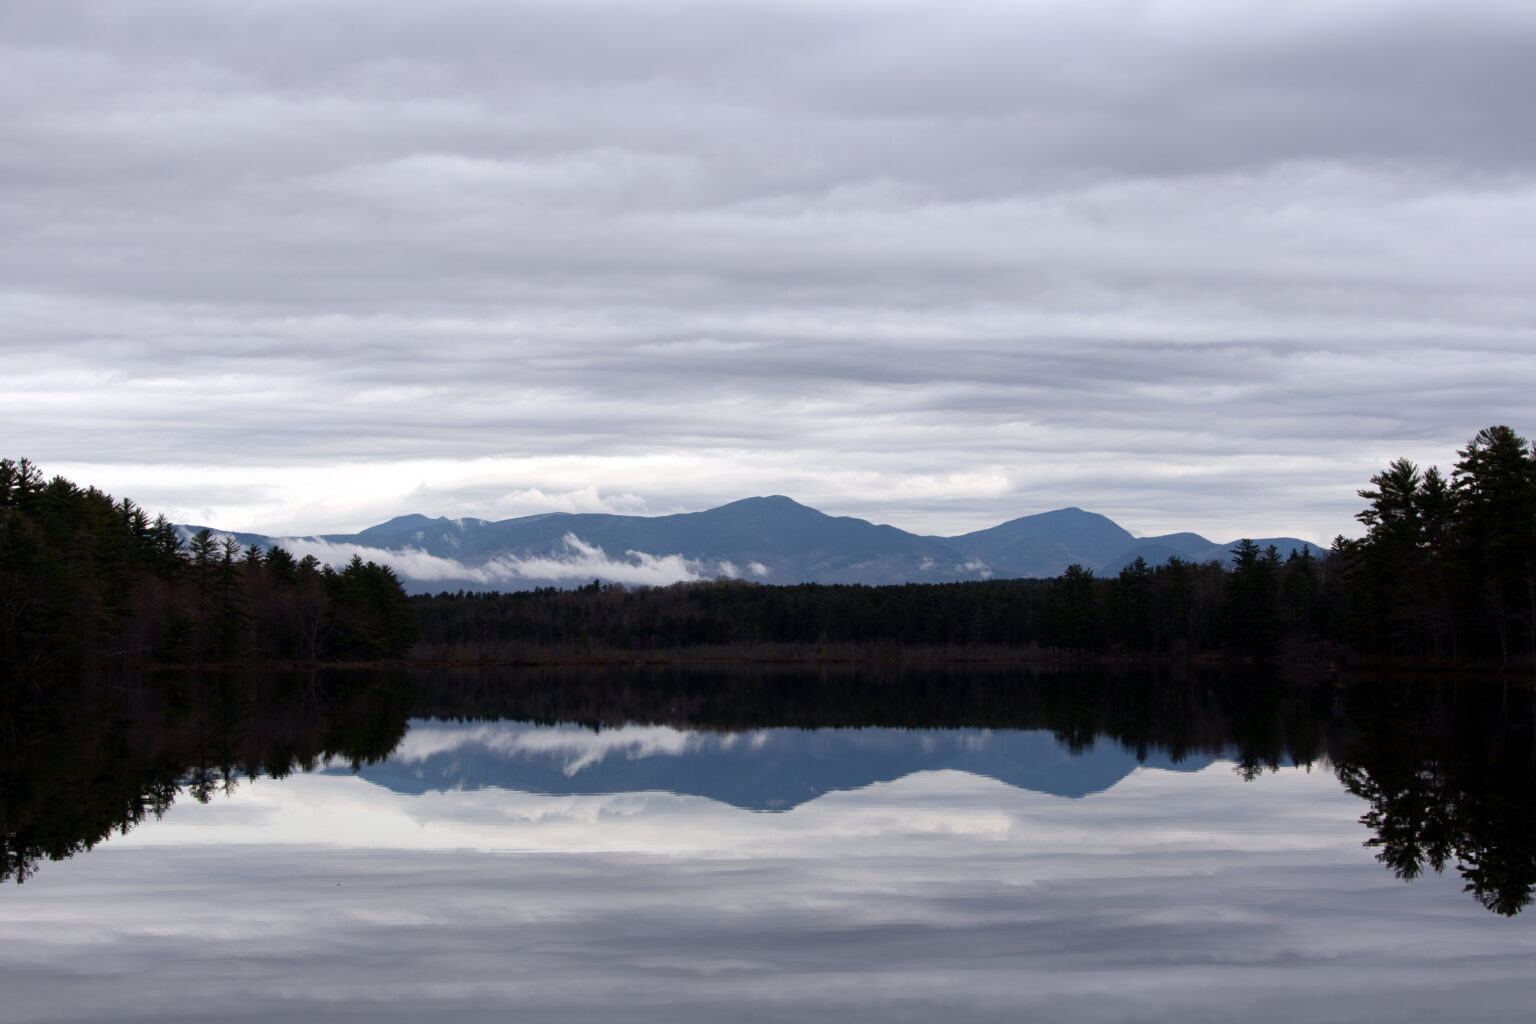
(578, 748)
(1172, 896)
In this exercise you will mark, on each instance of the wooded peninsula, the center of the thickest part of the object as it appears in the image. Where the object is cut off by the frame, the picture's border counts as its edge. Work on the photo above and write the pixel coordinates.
(1445, 574)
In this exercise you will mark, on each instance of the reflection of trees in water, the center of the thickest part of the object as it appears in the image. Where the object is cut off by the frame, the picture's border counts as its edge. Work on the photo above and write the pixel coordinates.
(80, 760)
(1449, 772)
(1181, 713)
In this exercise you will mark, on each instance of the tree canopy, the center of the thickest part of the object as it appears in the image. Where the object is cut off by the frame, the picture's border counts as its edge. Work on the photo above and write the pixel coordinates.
(89, 580)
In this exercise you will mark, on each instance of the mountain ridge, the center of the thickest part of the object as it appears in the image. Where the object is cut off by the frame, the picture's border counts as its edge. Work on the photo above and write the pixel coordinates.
(765, 538)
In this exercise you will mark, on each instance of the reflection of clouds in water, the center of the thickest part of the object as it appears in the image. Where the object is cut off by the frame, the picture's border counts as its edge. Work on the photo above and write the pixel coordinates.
(976, 740)
(580, 747)
(940, 895)
(901, 818)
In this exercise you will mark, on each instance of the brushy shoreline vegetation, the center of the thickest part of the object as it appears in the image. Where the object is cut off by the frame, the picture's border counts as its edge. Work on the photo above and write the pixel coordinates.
(1445, 575)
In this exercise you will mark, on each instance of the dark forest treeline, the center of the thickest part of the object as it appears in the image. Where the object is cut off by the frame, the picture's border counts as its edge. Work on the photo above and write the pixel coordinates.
(1178, 608)
(726, 615)
(1446, 572)
(86, 580)
(1447, 568)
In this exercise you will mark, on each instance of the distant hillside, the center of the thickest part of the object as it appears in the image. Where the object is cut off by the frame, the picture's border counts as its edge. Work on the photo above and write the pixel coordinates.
(770, 539)
(1045, 544)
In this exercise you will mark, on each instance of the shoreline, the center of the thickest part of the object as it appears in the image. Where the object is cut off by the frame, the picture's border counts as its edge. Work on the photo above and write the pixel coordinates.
(621, 659)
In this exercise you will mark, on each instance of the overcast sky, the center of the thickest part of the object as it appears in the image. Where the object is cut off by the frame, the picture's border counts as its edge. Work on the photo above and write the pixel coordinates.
(301, 266)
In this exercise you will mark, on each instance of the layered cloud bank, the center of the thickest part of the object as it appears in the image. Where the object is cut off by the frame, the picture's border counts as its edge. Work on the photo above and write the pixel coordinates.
(1196, 265)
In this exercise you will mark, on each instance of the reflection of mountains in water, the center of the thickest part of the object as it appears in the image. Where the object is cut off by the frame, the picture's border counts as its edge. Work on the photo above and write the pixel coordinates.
(763, 770)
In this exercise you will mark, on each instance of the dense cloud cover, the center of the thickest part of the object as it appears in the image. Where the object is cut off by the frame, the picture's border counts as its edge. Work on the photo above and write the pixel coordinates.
(297, 267)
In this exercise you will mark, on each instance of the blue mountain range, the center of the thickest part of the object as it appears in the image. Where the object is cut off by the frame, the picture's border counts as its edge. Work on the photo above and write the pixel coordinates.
(766, 539)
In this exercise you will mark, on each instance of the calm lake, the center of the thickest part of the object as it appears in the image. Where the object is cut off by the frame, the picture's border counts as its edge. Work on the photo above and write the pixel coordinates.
(767, 845)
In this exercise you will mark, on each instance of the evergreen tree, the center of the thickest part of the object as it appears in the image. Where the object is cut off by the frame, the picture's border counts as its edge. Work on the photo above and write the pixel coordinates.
(87, 580)
(1392, 568)
(1072, 612)
(1133, 606)
(1495, 484)
(1300, 585)
(1253, 599)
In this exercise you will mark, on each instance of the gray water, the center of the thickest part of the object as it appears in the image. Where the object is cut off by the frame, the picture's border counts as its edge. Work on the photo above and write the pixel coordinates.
(500, 870)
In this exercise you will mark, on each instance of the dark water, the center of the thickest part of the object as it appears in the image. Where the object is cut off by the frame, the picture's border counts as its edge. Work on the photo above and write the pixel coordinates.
(767, 845)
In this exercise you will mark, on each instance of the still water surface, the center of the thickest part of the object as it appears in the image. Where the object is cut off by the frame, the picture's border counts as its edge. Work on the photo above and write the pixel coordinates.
(640, 869)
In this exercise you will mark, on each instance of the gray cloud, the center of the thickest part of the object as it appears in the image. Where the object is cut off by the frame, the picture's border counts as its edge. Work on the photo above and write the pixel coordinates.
(1200, 266)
